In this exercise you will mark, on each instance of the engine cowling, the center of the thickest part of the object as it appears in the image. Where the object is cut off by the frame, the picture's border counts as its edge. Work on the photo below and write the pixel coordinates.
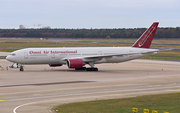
(74, 63)
(55, 65)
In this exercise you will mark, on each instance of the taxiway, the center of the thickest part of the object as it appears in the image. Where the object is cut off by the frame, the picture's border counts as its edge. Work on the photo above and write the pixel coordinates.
(39, 88)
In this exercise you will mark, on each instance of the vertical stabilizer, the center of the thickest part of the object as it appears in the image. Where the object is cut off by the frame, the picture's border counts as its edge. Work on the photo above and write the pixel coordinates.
(146, 38)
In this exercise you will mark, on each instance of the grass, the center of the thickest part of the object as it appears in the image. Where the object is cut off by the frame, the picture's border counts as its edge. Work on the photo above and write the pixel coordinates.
(162, 103)
(22, 43)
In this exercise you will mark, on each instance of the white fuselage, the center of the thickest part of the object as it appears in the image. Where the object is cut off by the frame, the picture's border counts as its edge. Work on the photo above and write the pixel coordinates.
(77, 57)
(87, 54)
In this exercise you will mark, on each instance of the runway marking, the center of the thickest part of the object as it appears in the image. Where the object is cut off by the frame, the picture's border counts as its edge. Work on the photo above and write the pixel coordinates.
(96, 92)
(46, 83)
(36, 94)
(158, 85)
(2, 100)
(3, 74)
(132, 78)
(14, 111)
(154, 85)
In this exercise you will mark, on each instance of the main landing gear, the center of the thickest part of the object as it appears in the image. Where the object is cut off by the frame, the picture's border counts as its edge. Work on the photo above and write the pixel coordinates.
(87, 69)
(83, 68)
(92, 69)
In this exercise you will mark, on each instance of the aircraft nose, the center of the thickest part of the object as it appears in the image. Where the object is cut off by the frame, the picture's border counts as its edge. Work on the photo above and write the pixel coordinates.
(9, 58)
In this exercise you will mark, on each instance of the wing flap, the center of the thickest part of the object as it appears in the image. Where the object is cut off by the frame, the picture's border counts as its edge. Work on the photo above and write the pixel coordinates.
(96, 56)
(147, 52)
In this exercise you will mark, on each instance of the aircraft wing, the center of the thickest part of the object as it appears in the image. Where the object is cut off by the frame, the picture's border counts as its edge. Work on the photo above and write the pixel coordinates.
(106, 56)
(94, 56)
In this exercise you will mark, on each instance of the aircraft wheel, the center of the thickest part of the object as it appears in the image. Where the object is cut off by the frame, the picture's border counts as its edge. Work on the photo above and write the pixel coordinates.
(95, 69)
(87, 69)
(83, 68)
(21, 68)
(91, 69)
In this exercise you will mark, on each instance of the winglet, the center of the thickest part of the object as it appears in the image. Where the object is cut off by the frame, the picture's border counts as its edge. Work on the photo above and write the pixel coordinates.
(146, 38)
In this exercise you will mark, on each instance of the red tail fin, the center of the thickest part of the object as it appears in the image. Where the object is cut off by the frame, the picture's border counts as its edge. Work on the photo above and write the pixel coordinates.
(146, 38)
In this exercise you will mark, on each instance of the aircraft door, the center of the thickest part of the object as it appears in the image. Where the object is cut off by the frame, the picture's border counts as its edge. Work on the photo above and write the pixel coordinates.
(53, 59)
(26, 55)
(130, 54)
(99, 52)
(52, 55)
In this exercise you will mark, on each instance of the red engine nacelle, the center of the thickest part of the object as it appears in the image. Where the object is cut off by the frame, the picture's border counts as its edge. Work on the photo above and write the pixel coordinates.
(75, 63)
(55, 65)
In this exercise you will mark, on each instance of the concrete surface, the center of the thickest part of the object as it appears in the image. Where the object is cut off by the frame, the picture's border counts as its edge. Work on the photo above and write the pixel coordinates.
(40, 87)
(4, 53)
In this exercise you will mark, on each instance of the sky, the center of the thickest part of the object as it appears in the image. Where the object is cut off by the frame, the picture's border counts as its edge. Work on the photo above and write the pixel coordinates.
(89, 14)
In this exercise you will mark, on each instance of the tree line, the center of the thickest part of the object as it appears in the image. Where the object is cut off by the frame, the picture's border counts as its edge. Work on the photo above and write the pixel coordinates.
(88, 33)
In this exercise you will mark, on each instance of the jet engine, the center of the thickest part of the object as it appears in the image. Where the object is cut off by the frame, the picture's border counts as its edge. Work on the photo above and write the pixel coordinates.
(75, 63)
(55, 65)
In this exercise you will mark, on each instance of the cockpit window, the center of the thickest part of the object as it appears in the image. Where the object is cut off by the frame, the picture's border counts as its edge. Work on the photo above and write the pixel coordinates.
(13, 54)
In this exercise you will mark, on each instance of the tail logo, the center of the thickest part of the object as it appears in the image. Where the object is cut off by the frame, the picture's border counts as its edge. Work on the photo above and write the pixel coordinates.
(144, 40)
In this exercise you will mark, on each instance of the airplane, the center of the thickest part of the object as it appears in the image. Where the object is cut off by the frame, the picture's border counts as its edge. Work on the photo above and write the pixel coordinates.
(78, 57)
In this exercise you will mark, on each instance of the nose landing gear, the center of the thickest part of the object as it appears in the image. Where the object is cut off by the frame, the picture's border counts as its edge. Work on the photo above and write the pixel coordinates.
(21, 68)
(16, 65)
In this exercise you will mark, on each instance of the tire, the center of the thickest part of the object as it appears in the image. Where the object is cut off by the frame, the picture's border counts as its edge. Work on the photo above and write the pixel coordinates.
(87, 69)
(91, 69)
(95, 69)
(83, 68)
(21, 69)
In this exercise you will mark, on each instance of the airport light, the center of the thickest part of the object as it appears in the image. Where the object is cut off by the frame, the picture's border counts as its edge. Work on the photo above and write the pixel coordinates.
(134, 110)
(153, 111)
(146, 110)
